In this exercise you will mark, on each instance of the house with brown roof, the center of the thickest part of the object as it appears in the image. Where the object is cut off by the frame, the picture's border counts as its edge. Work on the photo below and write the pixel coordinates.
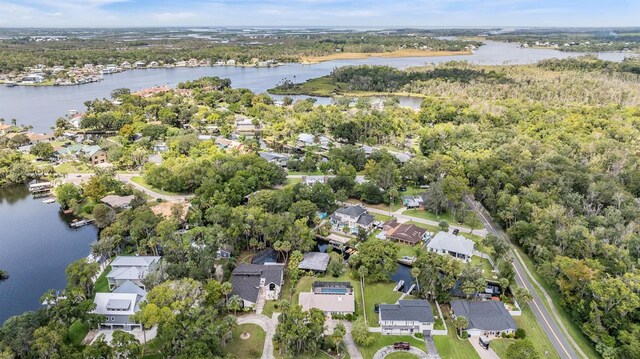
(404, 233)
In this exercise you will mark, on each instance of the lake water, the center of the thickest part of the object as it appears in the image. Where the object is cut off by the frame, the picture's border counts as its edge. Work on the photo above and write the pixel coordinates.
(40, 106)
(36, 245)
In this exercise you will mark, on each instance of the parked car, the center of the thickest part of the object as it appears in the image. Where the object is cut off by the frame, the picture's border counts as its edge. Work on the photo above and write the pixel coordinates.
(401, 346)
(376, 308)
(456, 231)
(484, 342)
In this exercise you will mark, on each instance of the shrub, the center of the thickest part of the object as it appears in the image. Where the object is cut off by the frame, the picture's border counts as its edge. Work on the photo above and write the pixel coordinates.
(465, 335)
(418, 335)
(520, 333)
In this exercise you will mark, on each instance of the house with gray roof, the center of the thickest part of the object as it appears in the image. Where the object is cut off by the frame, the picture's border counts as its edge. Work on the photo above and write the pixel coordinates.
(131, 268)
(454, 245)
(307, 139)
(315, 261)
(487, 318)
(119, 306)
(117, 202)
(250, 280)
(406, 317)
(273, 157)
(352, 217)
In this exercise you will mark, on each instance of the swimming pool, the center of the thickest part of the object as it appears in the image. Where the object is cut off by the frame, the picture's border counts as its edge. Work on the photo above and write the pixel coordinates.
(334, 290)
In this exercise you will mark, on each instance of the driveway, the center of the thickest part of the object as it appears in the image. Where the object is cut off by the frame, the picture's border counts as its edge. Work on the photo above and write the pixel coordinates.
(484, 353)
(432, 351)
(352, 348)
(268, 325)
(382, 353)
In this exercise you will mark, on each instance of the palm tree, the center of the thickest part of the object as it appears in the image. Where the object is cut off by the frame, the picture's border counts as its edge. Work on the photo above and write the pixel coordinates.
(226, 289)
(460, 323)
(415, 272)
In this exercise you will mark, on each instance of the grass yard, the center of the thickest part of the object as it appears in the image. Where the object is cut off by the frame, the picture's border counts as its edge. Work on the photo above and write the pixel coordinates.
(541, 342)
(77, 332)
(152, 351)
(500, 346)
(386, 340)
(382, 206)
(73, 167)
(407, 250)
(377, 293)
(486, 267)
(401, 355)
(250, 348)
(450, 346)
(102, 285)
(573, 329)
(140, 180)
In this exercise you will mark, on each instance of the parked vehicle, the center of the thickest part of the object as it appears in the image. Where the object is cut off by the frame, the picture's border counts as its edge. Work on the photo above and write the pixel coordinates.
(402, 346)
(484, 342)
(376, 308)
(456, 231)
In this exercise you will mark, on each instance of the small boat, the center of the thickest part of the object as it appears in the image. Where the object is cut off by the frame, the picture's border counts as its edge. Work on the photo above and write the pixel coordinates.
(11, 84)
(399, 286)
(77, 223)
(48, 200)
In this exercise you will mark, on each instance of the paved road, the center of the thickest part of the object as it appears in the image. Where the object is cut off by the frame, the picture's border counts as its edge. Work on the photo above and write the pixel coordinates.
(126, 178)
(268, 325)
(382, 353)
(484, 353)
(399, 215)
(549, 322)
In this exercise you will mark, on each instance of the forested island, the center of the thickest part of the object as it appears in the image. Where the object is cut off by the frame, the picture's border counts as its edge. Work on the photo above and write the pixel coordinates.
(549, 149)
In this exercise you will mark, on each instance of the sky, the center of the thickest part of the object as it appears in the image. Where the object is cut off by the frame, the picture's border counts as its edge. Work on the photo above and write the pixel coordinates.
(332, 13)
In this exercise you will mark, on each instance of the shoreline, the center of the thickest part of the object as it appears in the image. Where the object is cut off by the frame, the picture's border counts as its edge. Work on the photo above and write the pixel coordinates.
(310, 60)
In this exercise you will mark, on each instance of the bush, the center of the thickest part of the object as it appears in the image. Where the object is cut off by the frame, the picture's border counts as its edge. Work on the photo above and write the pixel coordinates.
(520, 333)
(465, 335)
(418, 335)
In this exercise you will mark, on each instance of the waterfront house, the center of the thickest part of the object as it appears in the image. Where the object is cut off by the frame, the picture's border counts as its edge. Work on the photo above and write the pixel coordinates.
(126, 65)
(455, 245)
(131, 268)
(140, 65)
(249, 281)
(315, 261)
(119, 306)
(406, 317)
(33, 79)
(352, 217)
(117, 202)
(404, 233)
(329, 297)
(487, 318)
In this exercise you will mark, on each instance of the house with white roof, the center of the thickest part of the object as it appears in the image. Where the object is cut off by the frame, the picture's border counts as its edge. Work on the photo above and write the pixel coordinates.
(307, 139)
(131, 268)
(119, 306)
(455, 245)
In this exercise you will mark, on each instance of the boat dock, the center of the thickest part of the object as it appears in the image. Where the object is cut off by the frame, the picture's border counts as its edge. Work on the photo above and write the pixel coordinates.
(80, 223)
(399, 286)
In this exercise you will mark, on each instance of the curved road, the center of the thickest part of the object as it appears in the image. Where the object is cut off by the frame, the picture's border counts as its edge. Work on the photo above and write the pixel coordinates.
(382, 353)
(269, 327)
(549, 321)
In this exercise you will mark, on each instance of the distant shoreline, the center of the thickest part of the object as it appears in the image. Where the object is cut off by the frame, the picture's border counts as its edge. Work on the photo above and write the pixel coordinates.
(309, 60)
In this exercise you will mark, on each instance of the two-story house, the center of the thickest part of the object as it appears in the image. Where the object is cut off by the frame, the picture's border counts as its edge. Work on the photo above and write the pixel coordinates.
(406, 317)
(131, 268)
(249, 281)
(352, 217)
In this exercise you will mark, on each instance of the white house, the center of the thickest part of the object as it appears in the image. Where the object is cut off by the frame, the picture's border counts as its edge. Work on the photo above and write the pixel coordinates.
(118, 306)
(488, 318)
(455, 245)
(353, 217)
(131, 268)
(329, 297)
(406, 317)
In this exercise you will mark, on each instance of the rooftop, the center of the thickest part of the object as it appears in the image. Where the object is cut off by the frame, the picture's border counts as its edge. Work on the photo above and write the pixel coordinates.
(327, 302)
(117, 201)
(406, 232)
(353, 211)
(407, 310)
(246, 278)
(451, 243)
(134, 261)
(484, 315)
(316, 261)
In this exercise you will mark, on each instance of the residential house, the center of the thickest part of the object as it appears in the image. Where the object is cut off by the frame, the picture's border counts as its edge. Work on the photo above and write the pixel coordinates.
(406, 317)
(224, 252)
(352, 217)
(277, 158)
(227, 144)
(311, 180)
(251, 280)
(307, 139)
(329, 297)
(487, 318)
(405, 233)
(119, 306)
(414, 201)
(315, 261)
(455, 245)
(131, 268)
(140, 64)
(94, 154)
(246, 126)
(33, 79)
(126, 65)
(117, 202)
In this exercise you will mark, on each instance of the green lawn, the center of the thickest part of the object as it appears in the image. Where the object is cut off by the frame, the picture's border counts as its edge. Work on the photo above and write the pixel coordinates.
(418, 213)
(323, 86)
(386, 340)
(407, 250)
(486, 267)
(77, 332)
(573, 329)
(382, 206)
(250, 348)
(102, 285)
(541, 342)
(450, 347)
(401, 355)
(73, 167)
(500, 346)
(377, 293)
(140, 180)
